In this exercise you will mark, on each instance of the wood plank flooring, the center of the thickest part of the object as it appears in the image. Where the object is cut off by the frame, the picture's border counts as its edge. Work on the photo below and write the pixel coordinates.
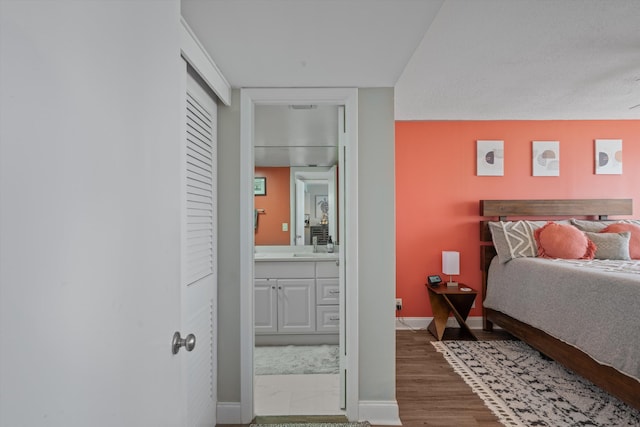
(428, 391)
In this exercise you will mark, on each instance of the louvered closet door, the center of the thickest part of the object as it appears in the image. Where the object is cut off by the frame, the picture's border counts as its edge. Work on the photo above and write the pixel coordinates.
(199, 251)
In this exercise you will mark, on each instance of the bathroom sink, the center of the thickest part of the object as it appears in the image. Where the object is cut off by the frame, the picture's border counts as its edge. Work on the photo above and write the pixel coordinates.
(273, 255)
(284, 255)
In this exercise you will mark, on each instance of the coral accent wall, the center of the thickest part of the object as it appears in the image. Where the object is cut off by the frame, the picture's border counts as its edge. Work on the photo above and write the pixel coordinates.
(437, 190)
(276, 207)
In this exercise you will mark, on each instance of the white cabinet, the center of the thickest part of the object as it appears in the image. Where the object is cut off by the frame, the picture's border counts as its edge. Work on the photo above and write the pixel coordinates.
(296, 297)
(327, 291)
(266, 306)
(285, 297)
(327, 318)
(284, 306)
(296, 305)
(327, 297)
(327, 269)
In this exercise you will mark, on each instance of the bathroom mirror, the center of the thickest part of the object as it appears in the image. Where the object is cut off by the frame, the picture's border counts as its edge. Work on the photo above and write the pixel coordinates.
(295, 148)
(313, 205)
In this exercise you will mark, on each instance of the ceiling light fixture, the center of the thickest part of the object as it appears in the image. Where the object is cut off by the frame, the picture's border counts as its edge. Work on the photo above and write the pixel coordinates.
(303, 107)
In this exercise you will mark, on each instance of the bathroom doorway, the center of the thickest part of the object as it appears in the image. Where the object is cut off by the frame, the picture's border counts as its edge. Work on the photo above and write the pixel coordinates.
(345, 100)
(296, 270)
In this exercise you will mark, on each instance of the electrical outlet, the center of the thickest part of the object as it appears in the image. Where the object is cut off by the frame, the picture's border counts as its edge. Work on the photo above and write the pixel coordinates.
(285, 226)
(398, 303)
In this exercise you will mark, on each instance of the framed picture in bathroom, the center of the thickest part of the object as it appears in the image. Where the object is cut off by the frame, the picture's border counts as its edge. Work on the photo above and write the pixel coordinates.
(260, 186)
(322, 205)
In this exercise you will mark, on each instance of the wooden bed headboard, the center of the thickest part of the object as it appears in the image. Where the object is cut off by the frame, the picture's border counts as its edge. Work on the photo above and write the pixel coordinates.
(561, 207)
(502, 210)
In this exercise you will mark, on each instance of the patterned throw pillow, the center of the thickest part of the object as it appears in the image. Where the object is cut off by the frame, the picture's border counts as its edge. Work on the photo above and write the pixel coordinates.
(611, 245)
(514, 239)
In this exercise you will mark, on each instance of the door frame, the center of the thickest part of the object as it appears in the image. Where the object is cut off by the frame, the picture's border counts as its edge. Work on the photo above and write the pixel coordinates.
(249, 98)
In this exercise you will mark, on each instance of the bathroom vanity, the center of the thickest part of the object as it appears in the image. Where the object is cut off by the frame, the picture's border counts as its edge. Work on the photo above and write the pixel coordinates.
(296, 298)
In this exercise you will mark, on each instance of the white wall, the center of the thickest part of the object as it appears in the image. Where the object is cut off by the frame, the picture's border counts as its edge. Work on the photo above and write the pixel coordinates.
(376, 246)
(229, 252)
(89, 219)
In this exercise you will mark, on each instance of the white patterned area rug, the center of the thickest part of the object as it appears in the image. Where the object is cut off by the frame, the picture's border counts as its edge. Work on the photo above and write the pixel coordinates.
(296, 359)
(523, 389)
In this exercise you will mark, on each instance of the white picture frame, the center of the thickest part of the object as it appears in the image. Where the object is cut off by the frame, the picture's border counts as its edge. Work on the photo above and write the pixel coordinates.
(321, 201)
(545, 156)
(490, 157)
(608, 157)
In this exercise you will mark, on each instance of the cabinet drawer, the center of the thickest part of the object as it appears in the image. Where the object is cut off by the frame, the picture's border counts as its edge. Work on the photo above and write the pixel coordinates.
(284, 270)
(327, 291)
(325, 269)
(327, 318)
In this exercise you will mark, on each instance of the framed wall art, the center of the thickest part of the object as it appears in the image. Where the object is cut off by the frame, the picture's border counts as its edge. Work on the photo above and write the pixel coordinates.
(546, 158)
(260, 186)
(608, 156)
(490, 158)
(322, 205)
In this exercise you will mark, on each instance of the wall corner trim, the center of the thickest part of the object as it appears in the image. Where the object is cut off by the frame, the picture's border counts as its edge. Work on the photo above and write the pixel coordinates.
(379, 412)
(197, 56)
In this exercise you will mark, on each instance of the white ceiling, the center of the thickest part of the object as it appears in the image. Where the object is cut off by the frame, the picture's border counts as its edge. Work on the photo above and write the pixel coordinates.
(451, 59)
(310, 43)
(529, 59)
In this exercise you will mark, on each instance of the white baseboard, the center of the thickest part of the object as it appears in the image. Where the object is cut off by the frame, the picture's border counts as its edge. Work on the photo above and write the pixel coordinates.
(474, 322)
(385, 412)
(228, 413)
(376, 412)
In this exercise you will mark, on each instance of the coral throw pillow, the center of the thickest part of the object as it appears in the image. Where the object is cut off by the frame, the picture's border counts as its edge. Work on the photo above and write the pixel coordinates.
(634, 241)
(563, 241)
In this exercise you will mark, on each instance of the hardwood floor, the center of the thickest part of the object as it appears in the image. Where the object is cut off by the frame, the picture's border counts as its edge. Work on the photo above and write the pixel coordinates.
(428, 391)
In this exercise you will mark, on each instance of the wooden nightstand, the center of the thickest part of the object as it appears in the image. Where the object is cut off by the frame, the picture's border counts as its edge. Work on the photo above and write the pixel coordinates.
(445, 300)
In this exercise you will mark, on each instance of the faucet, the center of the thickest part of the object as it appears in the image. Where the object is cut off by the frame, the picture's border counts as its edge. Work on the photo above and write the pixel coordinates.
(314, 239)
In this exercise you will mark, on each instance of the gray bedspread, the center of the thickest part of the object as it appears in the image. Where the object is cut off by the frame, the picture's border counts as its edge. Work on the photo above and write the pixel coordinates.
(592, 305)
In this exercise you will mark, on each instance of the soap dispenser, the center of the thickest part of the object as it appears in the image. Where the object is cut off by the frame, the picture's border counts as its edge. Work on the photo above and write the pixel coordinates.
(330, 245)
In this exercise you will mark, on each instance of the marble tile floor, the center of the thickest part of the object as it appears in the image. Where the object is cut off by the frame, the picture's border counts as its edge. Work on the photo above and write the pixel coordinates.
(311, 394)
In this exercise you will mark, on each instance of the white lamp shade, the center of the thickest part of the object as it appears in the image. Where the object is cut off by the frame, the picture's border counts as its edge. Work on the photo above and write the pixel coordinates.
(450, 262)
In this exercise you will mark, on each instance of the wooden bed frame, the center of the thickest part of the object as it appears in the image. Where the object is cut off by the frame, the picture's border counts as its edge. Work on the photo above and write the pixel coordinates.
(622, 386)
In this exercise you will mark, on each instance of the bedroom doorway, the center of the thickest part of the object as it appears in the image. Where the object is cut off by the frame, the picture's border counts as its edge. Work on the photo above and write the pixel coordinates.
(250, 99)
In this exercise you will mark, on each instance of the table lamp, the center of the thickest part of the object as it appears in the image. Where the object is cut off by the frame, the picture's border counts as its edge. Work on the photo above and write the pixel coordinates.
(451, 265)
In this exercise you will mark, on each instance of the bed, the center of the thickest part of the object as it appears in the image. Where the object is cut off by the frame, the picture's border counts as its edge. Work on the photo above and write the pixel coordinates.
(585, 314)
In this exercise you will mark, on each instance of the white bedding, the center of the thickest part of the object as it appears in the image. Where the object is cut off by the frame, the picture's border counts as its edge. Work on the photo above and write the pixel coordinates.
(593, 305)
